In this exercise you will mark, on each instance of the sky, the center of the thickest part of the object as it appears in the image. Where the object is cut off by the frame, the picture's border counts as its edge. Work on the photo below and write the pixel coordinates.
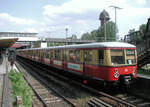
(50, 18)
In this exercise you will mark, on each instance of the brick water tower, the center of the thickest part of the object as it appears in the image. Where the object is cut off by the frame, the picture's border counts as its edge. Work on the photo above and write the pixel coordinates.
(104, 17)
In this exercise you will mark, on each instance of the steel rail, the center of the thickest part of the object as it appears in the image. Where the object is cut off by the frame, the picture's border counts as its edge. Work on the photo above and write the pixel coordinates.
(43, 82)
(24, 75)
(121, 101)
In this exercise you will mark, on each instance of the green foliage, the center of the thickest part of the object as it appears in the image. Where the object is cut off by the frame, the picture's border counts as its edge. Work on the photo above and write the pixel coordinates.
(131, 31)
(142, 28)
(98, 34)
(145, 71)
(138, 37)
(20, 88)
(135, 36)
(93, 35)
(110, 32)
(74, 36)
(85, 36)
(55, 44)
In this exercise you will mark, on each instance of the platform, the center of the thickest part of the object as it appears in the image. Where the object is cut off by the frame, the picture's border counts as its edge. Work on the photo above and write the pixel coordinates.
(2, 73)
(5, 96)
(144, 76)
(3, 65)
(1, 88)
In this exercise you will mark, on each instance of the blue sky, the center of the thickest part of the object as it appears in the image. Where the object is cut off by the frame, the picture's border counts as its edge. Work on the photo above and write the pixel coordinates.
(26, 8)
(50, 17)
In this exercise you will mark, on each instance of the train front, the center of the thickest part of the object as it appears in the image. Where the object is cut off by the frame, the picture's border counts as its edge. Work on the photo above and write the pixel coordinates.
(122, 64)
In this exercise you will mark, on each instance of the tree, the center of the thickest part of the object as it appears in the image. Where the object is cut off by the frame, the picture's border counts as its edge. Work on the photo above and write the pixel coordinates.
(74, 36)
(137, 36)
(131, 31)
(98, 34)
(93, 35)
(110, 32)
(142, 28)
(85, 36)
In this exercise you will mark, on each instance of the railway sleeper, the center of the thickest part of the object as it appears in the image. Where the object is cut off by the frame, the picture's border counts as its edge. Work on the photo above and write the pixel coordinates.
(136, 101)
(98, 103)
(146, 104)
(128, 98)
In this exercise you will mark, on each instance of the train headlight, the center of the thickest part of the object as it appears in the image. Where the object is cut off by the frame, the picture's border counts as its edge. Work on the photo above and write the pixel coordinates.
(116, 74)
(134, 71)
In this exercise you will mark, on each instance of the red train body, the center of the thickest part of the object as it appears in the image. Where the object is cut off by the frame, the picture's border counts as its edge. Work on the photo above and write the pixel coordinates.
(106, 61)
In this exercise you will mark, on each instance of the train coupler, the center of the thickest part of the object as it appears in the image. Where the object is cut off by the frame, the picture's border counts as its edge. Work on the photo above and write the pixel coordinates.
(126, 80)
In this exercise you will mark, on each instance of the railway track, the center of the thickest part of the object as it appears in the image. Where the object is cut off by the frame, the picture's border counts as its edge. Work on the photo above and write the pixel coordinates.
(100, 99)
(5, 100)
(134, 98)
(49, 98)
(2, 80)
(140, 102)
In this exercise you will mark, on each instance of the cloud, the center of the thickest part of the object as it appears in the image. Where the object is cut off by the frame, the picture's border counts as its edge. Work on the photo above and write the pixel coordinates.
(31, 30)
(141, 2)
(79, 16)
(82, 15)
(11, 23)
(4, 17)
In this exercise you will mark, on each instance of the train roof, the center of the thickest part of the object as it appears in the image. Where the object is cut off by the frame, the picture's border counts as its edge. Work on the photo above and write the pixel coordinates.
(93, 45)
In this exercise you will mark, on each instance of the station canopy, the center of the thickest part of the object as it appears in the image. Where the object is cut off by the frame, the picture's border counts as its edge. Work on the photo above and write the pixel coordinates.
(5, 43)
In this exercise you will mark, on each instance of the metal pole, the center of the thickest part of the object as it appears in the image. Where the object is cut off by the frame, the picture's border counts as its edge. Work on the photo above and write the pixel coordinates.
(115, 7)
(66, 34)
(105, 28)
(115, 22)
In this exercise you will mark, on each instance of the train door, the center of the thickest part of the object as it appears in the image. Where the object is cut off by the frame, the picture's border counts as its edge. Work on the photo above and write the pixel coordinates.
(63, 58)
(87, 62)
(51, 56)
(34, 55)
(41, 55)
(37, 55)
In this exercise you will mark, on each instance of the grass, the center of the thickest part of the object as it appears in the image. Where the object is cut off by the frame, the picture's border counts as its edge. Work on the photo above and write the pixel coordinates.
(20, 88)
(144, 71)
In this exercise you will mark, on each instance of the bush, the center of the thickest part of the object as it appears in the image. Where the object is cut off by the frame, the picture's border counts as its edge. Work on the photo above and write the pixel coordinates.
(144, 71)
(20, 88)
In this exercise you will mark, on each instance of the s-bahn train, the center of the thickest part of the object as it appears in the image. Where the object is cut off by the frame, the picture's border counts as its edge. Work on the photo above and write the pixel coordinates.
(113, 62)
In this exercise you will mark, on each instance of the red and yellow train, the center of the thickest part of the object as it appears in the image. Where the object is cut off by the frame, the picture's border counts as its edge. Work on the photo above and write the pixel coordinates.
(107, 61)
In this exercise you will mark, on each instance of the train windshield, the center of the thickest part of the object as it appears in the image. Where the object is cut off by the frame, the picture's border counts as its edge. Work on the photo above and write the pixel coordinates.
(130, 56)
(122, 57)
(117, 56)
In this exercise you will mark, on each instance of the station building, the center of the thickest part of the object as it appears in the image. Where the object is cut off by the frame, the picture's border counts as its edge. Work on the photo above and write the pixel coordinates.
(24, 38)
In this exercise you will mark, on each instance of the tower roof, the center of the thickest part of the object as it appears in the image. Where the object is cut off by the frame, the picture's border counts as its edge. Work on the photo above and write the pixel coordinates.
(104, 14)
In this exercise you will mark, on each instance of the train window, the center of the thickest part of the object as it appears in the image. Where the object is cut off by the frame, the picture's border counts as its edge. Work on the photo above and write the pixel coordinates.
(77, 53)
(44, 55)
(41, 53)
(74, 55)
(71, 55)
(34, 52)
(51, 54)
(38, 53)
(47, 53)
(117, 56)
(88, 57)
(101, 57)
(64, 55)
(57, 54)
(30, 52)
(130, 52)
(130, 56)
